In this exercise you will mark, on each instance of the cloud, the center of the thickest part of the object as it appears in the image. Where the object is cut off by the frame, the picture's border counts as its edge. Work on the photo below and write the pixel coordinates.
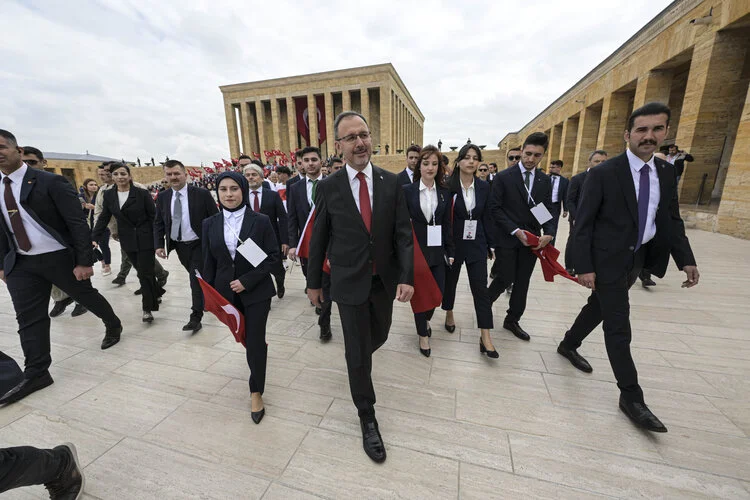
(140, 78)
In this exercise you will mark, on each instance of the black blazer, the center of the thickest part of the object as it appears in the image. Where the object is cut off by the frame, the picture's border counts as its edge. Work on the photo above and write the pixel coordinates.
(606, 228)
(510, 209)
(574, 194)
(562, 191)
(272, 206)
(135, 220)
(53, 203)
(340, 234)
(433, 255)
(219, 269)
(298, 209)
(200, 203)
(477, 249)
(403, 178)
(292, 180)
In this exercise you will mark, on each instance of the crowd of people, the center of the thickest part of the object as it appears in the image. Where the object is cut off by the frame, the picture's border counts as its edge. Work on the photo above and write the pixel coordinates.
(354, 228)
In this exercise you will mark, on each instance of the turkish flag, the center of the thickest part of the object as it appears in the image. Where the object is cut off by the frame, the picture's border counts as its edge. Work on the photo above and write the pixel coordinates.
(303, 118)
(216, 304)
(548, 257)
(427, 294)
(303, 247)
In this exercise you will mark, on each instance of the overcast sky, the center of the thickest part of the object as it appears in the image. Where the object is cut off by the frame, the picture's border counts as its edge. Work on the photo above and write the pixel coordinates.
(128, 78)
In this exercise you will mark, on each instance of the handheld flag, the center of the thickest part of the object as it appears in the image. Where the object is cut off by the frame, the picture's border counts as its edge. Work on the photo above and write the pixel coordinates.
(548, 257)
(216, 304)
(427, 294)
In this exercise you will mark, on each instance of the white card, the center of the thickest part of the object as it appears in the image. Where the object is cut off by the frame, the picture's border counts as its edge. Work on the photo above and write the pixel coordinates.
(252, 252)
(470, 230)
(434, 236)
(541, 213)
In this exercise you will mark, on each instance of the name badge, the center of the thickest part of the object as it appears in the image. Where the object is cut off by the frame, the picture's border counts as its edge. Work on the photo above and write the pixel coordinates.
(540, 213)
(470, 230)
(252, 252)
(434, 236)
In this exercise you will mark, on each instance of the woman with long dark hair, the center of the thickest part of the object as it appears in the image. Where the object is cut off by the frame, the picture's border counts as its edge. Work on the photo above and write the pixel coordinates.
(429, 201)
(134, 210)
(88, 200)
(249, 287)
(473, 239)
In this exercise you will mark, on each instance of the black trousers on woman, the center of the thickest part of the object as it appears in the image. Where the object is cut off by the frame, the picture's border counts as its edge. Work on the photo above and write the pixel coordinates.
(26, 466)
(256, 318)
(143, 261)
(478, 283)
(421, 319)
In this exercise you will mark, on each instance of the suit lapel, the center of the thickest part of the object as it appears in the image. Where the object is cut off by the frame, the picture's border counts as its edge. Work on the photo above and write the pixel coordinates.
(664, 183)
(218, 235)
(416, 203)
(168, 208)
(625, 179)
(345, 190)
(537, 185)
(131, 198)
(28, 182)
(518, 179)
(377, 198)
(248, 221)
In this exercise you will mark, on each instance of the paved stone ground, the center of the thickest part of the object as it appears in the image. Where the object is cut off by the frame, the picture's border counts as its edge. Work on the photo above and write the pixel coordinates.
(164, 415)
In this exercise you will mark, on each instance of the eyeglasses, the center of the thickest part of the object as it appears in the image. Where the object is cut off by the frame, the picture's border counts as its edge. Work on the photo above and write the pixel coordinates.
(514, 158)
(351, 138)
(32, 163)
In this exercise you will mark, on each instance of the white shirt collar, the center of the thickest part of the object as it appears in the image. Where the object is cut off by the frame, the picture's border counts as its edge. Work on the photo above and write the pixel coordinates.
(182, 191)
(523, 169)
(636, 163)
(17, 176)
(423, 187)
(232, 215)
(353, 173)
(470, 187)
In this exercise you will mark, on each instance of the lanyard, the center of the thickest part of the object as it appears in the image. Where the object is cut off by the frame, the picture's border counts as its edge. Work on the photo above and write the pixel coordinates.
(226, 223)
(529, 191)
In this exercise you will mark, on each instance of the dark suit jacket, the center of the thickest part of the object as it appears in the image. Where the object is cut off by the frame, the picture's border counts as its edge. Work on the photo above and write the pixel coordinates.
(433, 255)
(135, 220)
(298, 209)
(272, 206)
(562, 192)
(293, 179)
(403, 178)
(200, 203)
(510, 207)
(219, 269)
(477, 249)
(574, 194)
(53, 203)
(606, 229)
(340, 233)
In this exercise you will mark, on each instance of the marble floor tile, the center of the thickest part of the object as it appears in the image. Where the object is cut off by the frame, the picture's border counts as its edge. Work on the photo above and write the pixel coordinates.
(278, 491)
(68, 386)
(92, 362)
(172, 379)
(738, 411)
(192, 357)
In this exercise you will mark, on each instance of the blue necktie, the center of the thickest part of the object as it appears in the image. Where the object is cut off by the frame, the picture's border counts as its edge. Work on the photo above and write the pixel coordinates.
(644, 192)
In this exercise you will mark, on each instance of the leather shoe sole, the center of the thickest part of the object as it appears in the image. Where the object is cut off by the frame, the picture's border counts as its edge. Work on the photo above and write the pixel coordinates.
(575, 359)
(26, 387)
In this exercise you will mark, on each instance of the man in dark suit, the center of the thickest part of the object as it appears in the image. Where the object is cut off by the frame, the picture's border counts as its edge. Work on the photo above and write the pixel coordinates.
(362, 228)
(268, 202)
(514, 156)
(406, 176)
(571, 202)
(190, 205)
(628, 218)
(559, 192)
(300, 172)
(45, 240)
(518, 193)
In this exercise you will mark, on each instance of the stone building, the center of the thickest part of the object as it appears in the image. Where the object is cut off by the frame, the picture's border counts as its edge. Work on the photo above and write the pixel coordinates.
(695, 57)
(273, 114)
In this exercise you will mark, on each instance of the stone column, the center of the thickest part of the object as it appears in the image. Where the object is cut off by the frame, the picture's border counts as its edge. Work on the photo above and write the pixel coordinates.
(386, 118)
(248, 132)
(588, 132)
(312, 119)
(365, 102)
(275, 123)
(553, 151)
(568, 144)
(654, 86)
(330, 135)
(396, 125)
(291, 120)
(346, 100)
(613, 123)
(234, 140)
(260, 115)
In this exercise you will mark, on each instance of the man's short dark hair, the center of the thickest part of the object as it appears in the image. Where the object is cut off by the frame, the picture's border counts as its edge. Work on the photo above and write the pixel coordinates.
(106, 164)
(174, 163)
(557, 162)
(414, 148)
(257, 162)
(281, 169)
(650, 109)
(31, 150)
(311, 149)
(598, 152)
(9, 137)
(334, 160)
(298, 154)
(341, 116)
(515, 149)
(536, 139)
(244, 157)
(673, 146)
(493, 164)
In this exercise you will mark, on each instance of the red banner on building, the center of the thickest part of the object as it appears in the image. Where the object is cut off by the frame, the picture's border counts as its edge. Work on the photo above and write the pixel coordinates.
(303, 119)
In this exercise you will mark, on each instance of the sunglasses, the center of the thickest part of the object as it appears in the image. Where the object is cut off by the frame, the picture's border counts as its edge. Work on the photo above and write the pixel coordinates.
(514, 158)
(482, 169)
(32, 163)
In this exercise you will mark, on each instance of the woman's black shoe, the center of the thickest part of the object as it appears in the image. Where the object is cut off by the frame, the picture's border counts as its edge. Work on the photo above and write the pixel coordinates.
(425, 352)
(450, 328)
(484, 350)
(257, 416)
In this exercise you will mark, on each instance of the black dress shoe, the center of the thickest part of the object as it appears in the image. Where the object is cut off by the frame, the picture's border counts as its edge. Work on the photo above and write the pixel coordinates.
(484, 350)
(257, 416)
(60, 307)
(111, 336)
(516, 329)
(118, 281)
(26, 387)
(193, 325)
(575, 359)
(70, 483)
(648, 282)
(79, 310)
(280, 292)
(325, 333)
(147, 317)
(138, 292)
(450, 328)
(318, 310)
(162, 280)
(372, 442)
(641, 416)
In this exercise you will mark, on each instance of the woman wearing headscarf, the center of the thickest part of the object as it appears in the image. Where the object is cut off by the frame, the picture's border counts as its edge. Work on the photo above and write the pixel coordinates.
(250, 288)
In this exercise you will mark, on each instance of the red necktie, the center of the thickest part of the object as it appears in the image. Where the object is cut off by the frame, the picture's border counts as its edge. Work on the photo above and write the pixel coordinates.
(15, 217)
(364, 201)
(256, 205)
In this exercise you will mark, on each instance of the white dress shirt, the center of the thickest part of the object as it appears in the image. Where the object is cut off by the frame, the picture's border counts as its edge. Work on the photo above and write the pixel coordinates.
(555, 188)
(122, 197)
(428, 200)
(232, 228)
(354, 183)
(41, 241)
(470, 199)
(654, 192)
(531, 178)
(410, 173)
(309, 186)
(186, 230)
(251, 197)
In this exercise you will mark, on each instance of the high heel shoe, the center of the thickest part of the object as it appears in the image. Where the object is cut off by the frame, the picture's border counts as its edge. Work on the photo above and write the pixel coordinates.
(450, 328)
(257, 416)
(484, 350)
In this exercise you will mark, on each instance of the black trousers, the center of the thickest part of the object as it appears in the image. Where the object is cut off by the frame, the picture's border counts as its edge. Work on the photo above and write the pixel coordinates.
(279, 273)
(365, 328)
(26, 466)
(325, 307)
(191, 258)
(29, 284)
(569, 247)
(126, 266)
(421, 319)
(609, 303)
(143, 261)
(256, 349)
(555, 209)
(477, 272)
(516, 266)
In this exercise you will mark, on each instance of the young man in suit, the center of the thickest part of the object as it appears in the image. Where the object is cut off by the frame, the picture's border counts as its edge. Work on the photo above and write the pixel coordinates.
(180, 212)
(559, 192)
(519, 194)
(571, 202)
(406, 176)
(514, 156)
(362, 228)
(300, 170)
(45, 240)
(268, 202)
(628, 218)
